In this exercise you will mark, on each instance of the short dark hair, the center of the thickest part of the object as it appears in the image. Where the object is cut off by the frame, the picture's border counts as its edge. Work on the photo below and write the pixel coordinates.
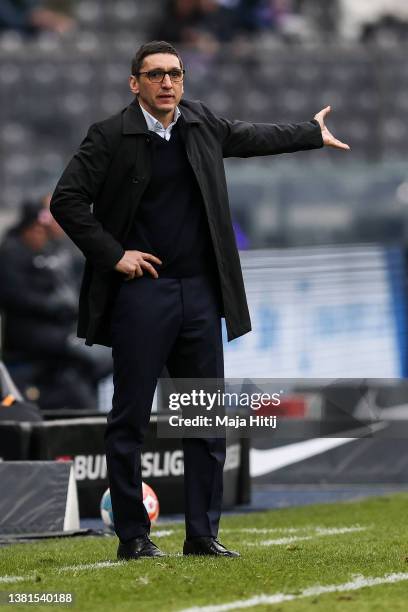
(150, 48)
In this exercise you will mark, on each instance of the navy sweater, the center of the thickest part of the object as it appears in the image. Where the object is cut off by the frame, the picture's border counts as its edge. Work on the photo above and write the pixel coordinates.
(171, 222)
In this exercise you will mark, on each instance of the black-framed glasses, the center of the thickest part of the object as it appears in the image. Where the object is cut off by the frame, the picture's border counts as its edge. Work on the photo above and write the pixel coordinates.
(157, 76)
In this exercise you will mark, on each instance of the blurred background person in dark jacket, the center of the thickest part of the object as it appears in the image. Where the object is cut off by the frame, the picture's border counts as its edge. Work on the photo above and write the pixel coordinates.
(31, 16)
(38, 299)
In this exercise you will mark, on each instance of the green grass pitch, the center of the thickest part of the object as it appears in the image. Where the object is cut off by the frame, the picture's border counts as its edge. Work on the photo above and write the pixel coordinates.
(348, 556)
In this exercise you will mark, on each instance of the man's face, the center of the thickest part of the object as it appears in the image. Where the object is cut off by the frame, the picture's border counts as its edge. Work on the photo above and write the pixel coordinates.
(35, 236)
(159, 99)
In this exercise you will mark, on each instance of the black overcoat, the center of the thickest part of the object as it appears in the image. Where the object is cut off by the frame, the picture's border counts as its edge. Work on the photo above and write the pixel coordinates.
(97, 196)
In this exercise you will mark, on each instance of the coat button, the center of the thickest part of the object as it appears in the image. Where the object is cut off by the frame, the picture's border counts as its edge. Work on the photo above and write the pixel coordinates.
(135, 180)
(147, 140)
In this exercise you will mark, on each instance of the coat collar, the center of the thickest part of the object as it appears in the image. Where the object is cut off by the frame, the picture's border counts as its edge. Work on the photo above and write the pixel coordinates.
(135, 123)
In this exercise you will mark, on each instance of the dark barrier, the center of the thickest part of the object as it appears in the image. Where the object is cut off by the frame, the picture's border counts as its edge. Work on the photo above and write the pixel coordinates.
(81, 441)
(354, 453)
(337, 460)
(14, 441)
(37, 497)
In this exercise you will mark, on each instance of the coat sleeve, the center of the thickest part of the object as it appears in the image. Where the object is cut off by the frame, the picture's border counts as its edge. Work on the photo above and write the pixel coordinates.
(74, 195)
(242, 139)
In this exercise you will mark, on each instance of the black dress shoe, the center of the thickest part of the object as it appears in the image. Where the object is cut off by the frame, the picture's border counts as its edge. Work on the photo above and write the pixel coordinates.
(138, 547)
(207, 546)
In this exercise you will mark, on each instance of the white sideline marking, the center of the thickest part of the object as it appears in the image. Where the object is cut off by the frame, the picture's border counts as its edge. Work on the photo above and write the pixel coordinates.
(160, 533)
(10, 579)
(318, 533)
(266, 530)
(359, 582)
(163, 533)
(71, 568)
(68, 568)
(87, 566)
(277, 529)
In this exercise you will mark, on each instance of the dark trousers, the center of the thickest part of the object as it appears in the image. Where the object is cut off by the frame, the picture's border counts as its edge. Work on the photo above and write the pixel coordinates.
(173, 322)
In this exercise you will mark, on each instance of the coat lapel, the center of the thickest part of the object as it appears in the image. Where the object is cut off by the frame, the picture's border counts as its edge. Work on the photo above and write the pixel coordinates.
(133, 121)
(188, 115)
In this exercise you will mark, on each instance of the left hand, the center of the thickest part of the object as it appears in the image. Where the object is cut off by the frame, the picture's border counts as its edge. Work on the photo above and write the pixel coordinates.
(328, 139)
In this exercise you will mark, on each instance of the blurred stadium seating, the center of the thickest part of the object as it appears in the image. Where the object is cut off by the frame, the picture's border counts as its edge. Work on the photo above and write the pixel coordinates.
(52, 88)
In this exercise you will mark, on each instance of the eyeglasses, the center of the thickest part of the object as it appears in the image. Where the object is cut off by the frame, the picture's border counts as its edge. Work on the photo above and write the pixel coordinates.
(157, 76)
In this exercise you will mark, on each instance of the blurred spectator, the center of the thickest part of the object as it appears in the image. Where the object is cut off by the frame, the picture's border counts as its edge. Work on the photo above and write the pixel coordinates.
(321, 16)
(360, 19)
(218, 20)
(179, 23)
(198, 23)
(388, 31)
(39, 310)
(269, 14)
(30, 16)
(37, 315)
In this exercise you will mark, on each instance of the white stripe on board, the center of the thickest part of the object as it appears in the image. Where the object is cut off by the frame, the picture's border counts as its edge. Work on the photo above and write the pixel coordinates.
(272, 459)
(359, 582)
(264, 461)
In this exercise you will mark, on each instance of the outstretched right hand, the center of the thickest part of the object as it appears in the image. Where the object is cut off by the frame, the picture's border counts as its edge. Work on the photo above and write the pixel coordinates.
(133, 263)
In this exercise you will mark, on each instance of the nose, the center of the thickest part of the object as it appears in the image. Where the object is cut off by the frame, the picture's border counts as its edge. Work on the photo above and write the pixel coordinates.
(167, 81)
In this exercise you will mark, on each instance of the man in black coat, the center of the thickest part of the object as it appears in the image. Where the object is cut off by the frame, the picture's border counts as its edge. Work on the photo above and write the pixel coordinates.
(145, 199)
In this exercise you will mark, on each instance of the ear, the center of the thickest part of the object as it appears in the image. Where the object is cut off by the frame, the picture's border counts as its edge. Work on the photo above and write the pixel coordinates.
(134, 85)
